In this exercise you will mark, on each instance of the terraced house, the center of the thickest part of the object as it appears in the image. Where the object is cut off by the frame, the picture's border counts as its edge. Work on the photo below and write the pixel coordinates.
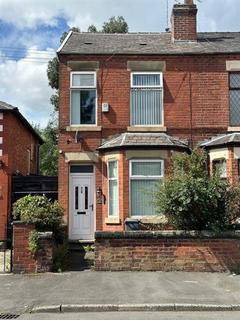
(19, 146)
(128, 103)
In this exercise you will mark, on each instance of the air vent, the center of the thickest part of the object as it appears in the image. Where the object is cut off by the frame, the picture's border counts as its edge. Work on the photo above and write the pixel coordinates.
(9, 316)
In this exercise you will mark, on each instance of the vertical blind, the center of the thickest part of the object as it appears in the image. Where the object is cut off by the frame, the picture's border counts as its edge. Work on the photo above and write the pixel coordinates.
(144, 180)
(113, 187)
(146, 99)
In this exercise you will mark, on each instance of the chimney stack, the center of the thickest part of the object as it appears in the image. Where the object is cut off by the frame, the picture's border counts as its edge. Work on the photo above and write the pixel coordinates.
(184, 21)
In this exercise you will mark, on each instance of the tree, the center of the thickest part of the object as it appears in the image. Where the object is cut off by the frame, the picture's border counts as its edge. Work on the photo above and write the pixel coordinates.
(115, 25)
(190, 198)
(49, 150)
(92, 28)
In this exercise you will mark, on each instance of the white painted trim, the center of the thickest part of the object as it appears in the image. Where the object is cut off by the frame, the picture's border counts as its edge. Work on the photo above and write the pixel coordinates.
(233, 65)
(82, 88)
(83, 72)
(1, 115)
(93, 175)
(64, 41)
(1, 140)
(160, 88)
(141, 178)
(113, 160)
(1, 152)
(1, 128)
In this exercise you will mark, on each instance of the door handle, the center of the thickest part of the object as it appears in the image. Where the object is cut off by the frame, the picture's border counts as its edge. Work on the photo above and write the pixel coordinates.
(91, 206)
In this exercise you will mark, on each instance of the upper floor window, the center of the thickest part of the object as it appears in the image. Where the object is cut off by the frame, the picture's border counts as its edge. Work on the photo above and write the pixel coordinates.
(83, 98)
(146, 98)
(234, 96)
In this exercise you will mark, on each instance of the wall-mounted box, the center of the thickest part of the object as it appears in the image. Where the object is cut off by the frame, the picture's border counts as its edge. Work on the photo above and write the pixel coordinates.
(105, 107)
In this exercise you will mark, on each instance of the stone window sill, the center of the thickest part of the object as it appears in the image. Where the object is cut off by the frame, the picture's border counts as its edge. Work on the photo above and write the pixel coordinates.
(112, 220)
(147, 129)
(233, 129)
(84, 128)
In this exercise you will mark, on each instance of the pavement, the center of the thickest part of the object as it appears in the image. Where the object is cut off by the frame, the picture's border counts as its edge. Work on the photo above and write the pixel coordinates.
(136, 316)
(119, 291)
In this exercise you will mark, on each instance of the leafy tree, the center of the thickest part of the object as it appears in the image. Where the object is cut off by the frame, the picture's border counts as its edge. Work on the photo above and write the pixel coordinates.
(190, 198)
(49, 149)
(92, 28)
(115, 25)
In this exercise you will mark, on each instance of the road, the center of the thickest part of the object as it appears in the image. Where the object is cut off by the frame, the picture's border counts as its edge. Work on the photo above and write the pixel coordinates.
(135, 316)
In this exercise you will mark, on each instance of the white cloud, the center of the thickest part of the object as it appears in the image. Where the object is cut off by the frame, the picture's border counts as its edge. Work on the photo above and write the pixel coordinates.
(223, 14)
(24, 84)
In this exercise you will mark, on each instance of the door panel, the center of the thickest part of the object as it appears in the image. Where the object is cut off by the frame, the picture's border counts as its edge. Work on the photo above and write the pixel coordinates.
(81, 207)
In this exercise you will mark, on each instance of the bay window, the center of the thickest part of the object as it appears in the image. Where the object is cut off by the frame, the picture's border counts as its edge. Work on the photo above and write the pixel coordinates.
(145, 175)
(113, 200)
(146, 98)
(83, 98)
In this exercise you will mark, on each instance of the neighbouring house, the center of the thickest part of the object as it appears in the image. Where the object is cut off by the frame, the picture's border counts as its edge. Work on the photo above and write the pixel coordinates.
(19, 155)
(128, 103)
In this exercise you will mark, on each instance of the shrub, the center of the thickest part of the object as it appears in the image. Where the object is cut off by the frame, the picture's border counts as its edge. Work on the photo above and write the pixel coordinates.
(40, 211)
(233, 204)
(190, 198)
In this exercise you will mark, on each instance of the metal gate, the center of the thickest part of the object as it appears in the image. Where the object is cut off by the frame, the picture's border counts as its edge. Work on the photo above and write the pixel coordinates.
(6, 253)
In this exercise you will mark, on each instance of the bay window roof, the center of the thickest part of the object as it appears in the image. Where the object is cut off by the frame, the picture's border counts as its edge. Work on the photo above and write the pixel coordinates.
(143, 140)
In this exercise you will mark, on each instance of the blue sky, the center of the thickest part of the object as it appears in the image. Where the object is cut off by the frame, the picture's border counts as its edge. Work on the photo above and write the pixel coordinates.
(30, 32)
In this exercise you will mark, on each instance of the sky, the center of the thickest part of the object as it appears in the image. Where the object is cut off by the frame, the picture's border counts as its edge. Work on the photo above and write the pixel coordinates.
(30, 32)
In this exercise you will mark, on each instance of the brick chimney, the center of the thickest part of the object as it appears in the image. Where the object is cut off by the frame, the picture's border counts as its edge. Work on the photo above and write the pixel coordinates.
(184, 21)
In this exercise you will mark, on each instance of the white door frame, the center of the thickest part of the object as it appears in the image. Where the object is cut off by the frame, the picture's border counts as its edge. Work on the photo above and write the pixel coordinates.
(93, 176)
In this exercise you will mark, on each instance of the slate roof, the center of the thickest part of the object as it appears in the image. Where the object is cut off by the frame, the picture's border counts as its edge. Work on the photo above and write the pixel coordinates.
(5, 107)
(146, 140)
(149, 43)
(222, 140)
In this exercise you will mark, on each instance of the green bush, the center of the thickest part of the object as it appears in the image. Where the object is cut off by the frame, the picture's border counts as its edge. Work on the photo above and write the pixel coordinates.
(40, 211)
(190, 198)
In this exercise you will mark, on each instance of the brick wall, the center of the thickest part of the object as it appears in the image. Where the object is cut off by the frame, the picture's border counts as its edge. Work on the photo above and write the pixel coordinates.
(23, 260)
(167, 251)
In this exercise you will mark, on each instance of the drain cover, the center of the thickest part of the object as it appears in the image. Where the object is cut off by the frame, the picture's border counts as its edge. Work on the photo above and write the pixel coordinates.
(9, 316)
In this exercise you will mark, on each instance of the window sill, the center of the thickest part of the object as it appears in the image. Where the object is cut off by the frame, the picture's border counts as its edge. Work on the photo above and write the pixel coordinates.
(233, 129)
(147, 129)
(84, 128)
(112, 220)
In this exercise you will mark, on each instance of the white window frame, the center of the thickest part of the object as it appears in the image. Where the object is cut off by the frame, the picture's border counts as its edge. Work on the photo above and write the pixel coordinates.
(140, 177)
(72, 88)
(220, 160)
(152, 87)
(111, 179)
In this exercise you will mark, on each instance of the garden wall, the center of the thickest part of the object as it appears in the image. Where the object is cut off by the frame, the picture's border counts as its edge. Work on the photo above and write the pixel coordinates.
(23, 260)
(167, 251)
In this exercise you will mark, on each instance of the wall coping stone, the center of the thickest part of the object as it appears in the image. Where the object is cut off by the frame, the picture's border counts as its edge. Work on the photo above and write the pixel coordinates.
(175, 234)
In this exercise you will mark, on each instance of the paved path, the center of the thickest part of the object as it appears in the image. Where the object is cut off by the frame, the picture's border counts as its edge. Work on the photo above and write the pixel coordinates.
(136, 316)
(20, 292)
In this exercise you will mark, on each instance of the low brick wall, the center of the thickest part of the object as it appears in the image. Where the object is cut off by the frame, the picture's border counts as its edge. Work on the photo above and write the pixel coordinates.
(23, 260)
(167, 251)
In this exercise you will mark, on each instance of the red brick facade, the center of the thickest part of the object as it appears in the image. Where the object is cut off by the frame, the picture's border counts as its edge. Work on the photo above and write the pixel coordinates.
(162, 252)
(19, 156)
(195, 107)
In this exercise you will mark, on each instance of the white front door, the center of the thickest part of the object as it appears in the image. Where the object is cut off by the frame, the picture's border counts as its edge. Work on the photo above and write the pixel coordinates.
(81, 218)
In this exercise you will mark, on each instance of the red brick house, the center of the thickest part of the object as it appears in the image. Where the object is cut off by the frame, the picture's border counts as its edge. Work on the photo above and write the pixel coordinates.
(19, 145)
(128, 102)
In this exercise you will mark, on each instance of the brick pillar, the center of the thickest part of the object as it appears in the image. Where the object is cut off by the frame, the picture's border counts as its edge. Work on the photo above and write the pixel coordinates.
(232, 167)
(23, 260)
